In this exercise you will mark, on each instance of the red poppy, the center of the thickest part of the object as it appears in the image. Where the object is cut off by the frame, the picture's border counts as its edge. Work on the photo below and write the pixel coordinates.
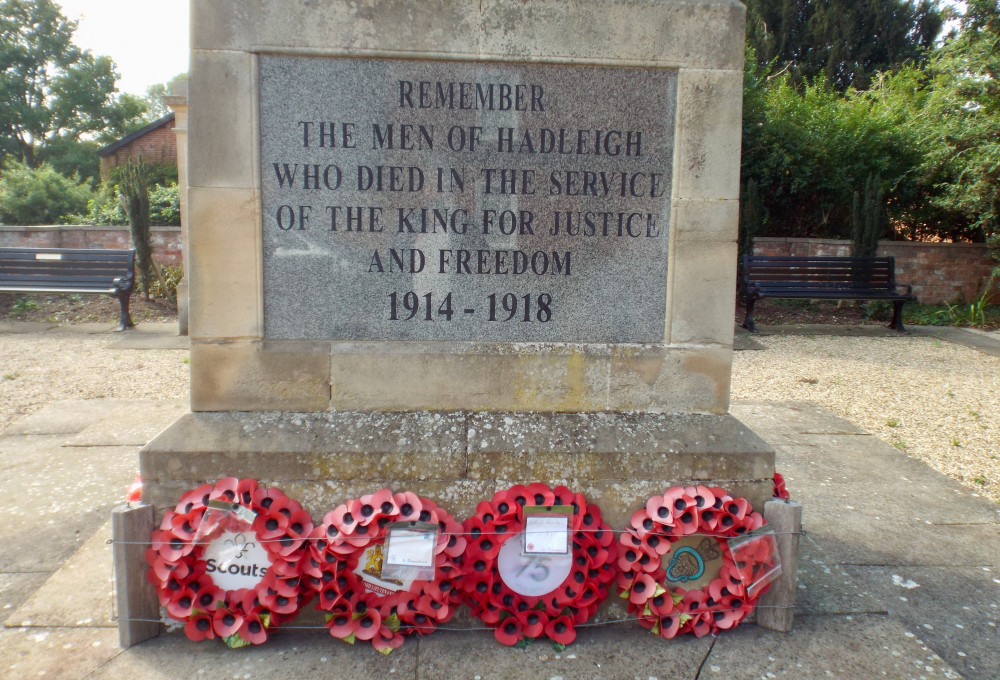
(509, 632)
(780, 491)
(226, 622)
(643, 588)
(662, 604)
(181, 606)
(532, 622)
(199, 627)
(263, 498)
(163, 570)
(225, 490)
(253, 629)
(655, 544)
(195, 499)
(345, 517)
(409, 506)
(245, 490)
(641, 523)
(133, 494)
(670, 626)
(678, 500)
(387, 640)
(368, 624)
(703, 496)
(342, 625)
(515, 496)
(540, 494)
(169, 547)
(561, 630)
(378, 504)
(182, 526)
(451, 540)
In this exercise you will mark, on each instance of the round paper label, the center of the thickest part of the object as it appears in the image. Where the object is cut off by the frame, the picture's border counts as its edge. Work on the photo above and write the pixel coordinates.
(236, 560)
(531, 575)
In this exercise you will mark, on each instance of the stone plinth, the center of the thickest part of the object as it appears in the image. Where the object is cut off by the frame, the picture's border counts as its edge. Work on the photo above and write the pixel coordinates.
(459, 458)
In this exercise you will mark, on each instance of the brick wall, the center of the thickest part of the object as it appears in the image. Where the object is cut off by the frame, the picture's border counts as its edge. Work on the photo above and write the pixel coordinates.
(167, 247)
(157, 147)
(938, 272)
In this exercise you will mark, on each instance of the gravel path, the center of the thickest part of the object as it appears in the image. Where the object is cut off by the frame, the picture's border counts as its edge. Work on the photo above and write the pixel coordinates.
(36, 368)
(937, 401)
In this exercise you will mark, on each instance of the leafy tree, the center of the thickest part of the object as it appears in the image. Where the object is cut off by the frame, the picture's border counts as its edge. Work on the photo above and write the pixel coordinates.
(49, 88)
(810, 149)
(30, 196)
(154, 97)
(844, 42)
(960, 125)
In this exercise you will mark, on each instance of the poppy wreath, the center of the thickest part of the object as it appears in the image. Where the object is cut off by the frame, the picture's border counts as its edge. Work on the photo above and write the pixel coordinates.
(516, 618)
(179, 573)
(354, 612)
(679, 512)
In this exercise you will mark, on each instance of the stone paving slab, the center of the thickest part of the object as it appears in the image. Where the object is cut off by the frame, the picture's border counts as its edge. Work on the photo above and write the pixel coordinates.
(67, 416)
(15, 588)
(619, 651)
(78, 594)
(70, 653)
(130, 424)
(854, 646)
(954, 610)
(288, 654)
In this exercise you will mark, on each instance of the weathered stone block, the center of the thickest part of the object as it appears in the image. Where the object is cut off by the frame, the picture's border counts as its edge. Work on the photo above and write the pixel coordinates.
(679, 379)
(702, 308)
(709, 111)
(222, 149)
(224, 295)
(256, 375)
(472, 376)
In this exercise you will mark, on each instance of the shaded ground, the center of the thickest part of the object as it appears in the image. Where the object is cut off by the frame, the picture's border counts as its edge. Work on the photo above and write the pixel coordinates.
(81, 308)
(780, 312)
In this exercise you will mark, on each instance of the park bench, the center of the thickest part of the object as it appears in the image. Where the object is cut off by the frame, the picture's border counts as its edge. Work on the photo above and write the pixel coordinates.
(823, 278)
(70, 270)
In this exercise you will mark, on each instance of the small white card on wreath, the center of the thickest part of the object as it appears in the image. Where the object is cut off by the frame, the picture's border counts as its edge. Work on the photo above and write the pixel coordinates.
(546, 529)
(409, 550)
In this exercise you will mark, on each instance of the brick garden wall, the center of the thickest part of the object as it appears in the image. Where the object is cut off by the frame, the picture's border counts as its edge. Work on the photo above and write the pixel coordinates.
(167, 248)
(938, 272)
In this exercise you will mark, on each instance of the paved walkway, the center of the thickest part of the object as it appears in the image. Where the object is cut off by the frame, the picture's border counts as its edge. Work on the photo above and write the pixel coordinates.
(899, 578)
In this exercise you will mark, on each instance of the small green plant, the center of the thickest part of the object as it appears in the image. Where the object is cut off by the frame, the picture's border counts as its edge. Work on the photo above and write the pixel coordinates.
(186, 360)
(75, 299)
(980, 480)
(956, 442)
(892, 422)
(165, 283)
(10, 376)
(901, 445)
(23, 306)
(975, 414)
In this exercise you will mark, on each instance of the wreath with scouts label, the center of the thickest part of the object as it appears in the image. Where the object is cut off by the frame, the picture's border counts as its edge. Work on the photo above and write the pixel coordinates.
(348, 569)
(677, 569)
(225, 561)
(523, 594)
